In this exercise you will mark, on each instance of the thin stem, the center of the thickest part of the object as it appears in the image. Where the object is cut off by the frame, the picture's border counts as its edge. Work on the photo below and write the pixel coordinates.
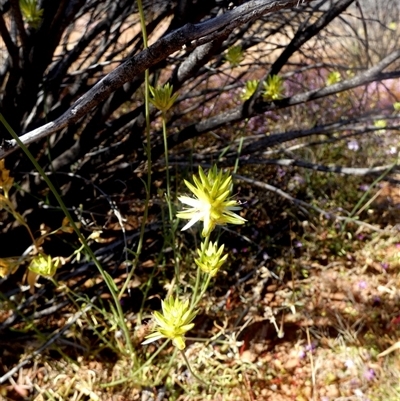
(203, 288)
(161, 378)
(21, 220)
(106, 277)
(195, 375)
(238, 155)
(25, 224)
(125, 379)
(169, 200)
(359, 203)
(164, 126)
(148, 154)
(195, 299)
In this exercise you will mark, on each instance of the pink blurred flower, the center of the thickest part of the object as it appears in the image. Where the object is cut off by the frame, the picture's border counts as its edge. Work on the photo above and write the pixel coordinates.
(362, 285)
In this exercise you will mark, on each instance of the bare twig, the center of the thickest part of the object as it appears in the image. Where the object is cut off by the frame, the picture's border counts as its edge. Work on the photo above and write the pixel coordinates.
(328, 215)
(320, 167)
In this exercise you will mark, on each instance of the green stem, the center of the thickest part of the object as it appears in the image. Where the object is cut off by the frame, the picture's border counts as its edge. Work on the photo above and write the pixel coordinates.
(10, 208)
(361, 201)
(238, 155)
(106, 277)
(195, 299)
(203, 288)
(161, 379)
(169, 201)
(164, 126)
(148, 362)
(148, 154)
(142, 23)
(195, 375)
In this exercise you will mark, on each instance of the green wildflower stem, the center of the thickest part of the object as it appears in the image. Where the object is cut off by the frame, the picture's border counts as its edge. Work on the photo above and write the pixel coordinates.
(356, 209)
(195, 300)
(161, 376)
(148, 154)
(106, 277)
(169, 202)
(203, 288)
(164, 126)
(238, 155)
(378, 179)
(196, 376)
(153, 356)
(142, 23)
(134, 373)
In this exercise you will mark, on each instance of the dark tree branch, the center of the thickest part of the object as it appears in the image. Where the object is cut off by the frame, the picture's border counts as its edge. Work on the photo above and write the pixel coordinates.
(280, 138)
(302, 36)
(193, 35)
(319, 167)
(19, 23)
(372, 74)
(240, 112)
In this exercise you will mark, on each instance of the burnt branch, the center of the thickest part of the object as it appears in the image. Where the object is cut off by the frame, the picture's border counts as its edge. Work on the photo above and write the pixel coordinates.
(191, 35)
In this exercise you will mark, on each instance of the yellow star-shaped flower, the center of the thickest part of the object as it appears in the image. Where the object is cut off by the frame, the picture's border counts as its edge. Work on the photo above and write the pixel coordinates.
(212, 203)
(173, 323)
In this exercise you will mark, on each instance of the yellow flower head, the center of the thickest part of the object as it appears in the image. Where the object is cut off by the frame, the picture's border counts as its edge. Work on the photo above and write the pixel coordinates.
(162, 97)
(333, 78)
(173, 323)
(44, 265)
(213, 204)
(6, 182)
(31, 13)
(210, 260)
(273, 88)
(249, 89)
(234, 56)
